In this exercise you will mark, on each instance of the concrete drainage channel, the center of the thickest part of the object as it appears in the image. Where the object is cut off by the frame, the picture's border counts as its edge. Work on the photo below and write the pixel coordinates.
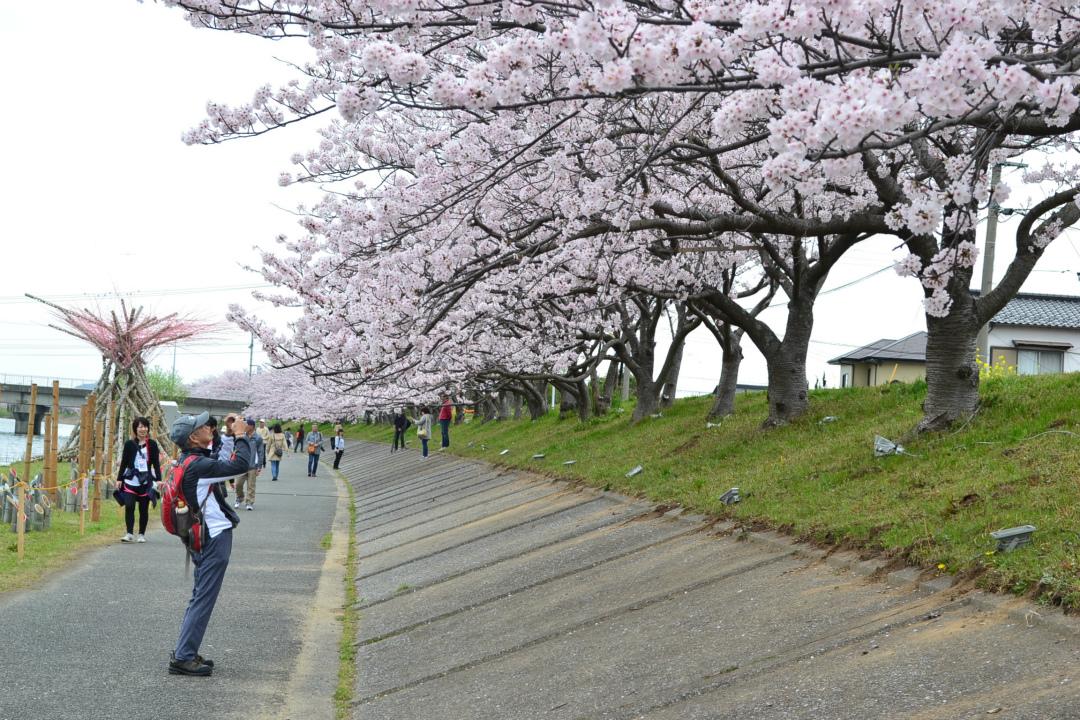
(494, 594)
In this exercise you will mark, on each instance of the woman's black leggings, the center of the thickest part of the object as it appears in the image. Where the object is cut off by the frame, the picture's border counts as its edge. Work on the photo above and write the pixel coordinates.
(130, 500)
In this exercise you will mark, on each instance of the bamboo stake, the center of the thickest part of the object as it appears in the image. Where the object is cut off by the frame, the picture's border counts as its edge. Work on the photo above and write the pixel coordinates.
(46, 467)
(111, 436)
(92, 452)
(48, 450)
(98, 470)
(54, 470)
(84, 460)
(20, 518)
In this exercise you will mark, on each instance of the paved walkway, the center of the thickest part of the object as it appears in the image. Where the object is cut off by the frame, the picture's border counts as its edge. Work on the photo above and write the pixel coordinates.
(94, 642)
(493, 594)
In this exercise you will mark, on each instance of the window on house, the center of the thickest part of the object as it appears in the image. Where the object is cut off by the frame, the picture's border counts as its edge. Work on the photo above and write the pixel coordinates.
(1039, 362)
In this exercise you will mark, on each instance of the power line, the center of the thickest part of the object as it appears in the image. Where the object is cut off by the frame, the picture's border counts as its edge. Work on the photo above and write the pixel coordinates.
(114, 294)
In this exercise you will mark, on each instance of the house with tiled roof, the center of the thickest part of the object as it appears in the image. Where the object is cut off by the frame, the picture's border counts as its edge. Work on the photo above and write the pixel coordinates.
(884, 361)
(1036, 334)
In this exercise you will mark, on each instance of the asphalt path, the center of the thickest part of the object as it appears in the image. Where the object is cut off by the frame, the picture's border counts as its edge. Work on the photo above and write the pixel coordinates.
(94, 641)
(497, 594)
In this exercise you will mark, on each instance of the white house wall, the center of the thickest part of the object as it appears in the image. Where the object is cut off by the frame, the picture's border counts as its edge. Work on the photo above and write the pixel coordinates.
(1004, 335)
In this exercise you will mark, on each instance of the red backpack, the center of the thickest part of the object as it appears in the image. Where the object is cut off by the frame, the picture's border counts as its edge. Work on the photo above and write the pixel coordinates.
(176, 517)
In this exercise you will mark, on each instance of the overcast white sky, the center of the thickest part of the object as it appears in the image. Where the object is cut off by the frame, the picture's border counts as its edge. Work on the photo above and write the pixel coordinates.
(99, 195)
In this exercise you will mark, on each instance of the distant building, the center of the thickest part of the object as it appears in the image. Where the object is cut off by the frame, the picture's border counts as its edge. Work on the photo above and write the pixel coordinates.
(1036, 334)
(884, 361)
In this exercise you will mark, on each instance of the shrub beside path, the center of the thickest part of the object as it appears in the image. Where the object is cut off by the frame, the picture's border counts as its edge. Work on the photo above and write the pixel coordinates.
(495, 594)
(94, 641)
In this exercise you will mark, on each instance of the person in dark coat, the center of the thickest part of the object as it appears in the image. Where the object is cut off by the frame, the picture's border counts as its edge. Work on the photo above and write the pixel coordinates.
(401, 424)
(202, 483)
(140, 468)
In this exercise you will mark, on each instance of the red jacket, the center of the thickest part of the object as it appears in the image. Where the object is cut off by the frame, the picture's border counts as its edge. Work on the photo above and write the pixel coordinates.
(445, 412)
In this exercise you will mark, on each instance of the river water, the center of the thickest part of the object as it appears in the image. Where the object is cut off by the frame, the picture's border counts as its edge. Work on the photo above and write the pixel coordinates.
(13, 447)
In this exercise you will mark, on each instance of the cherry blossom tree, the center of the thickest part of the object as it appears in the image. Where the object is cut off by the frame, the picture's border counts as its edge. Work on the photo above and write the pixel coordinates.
(505, 138)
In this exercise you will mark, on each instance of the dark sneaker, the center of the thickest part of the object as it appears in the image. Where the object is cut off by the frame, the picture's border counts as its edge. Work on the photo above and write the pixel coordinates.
(198, 658)
(189, 667)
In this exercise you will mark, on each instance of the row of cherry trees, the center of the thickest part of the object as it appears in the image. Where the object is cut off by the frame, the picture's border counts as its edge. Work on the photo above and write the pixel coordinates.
(518, 191)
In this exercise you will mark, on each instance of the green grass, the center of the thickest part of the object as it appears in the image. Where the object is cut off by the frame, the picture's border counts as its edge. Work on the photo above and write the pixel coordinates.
(325, 542)
(61, 544)
(821, 482)
(350, 619)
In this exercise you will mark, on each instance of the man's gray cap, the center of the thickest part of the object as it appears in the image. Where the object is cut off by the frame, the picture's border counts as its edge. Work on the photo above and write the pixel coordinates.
(184, 425)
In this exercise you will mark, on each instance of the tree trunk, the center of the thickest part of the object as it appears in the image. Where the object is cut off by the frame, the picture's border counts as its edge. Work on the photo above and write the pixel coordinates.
(952, 377)
(610, 381)
(671, 378)
(584, 405)
(724, 402)
(648, 399)
(788, 389)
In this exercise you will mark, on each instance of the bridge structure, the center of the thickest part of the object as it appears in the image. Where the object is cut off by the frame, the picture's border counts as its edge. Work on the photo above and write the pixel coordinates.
(17, 398)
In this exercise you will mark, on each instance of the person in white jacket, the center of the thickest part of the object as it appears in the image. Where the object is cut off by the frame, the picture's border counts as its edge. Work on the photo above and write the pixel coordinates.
(338, 444)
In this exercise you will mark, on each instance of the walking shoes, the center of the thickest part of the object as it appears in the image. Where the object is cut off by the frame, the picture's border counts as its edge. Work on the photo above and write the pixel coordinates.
(190, 667)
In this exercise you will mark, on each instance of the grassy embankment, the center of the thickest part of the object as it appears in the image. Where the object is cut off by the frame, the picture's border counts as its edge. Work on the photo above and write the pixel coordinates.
(58, 546)
(1015, 463)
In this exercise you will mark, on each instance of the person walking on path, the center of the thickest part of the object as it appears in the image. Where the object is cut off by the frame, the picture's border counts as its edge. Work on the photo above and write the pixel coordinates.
(299, 439)
(140, 468)
(401, 424)
(314, 449)
(275, 450)
(224, 451)
(446, 414)
(201, 484)
(215, 441)
(338, 445)
(245, 484)
(423, 429)
(264, 432)
(288, 438)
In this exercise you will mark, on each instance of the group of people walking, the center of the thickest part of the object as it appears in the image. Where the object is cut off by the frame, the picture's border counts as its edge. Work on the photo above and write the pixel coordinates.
(140, 462)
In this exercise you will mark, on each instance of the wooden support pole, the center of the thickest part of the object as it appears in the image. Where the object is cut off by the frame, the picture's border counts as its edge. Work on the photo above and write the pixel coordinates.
(99, 469)
(47, 451)
(20, 517)
(85, 444)
(54, 464)
(111, 435)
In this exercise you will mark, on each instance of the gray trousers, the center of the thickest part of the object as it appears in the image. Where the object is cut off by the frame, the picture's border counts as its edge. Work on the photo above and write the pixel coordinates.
(210, 566)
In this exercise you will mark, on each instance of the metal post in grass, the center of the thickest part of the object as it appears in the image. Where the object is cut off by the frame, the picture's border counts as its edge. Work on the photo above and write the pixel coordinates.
(20, 518)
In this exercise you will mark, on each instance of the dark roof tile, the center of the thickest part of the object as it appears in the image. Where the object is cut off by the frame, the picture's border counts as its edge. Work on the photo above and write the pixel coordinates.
(1056, 311)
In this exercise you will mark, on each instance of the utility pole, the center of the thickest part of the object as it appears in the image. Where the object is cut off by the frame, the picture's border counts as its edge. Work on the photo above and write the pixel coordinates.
(251, 355)
(983, 342)
(174, 360)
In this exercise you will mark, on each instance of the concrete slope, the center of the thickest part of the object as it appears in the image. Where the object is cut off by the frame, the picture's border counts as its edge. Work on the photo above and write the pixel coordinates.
(493, 594)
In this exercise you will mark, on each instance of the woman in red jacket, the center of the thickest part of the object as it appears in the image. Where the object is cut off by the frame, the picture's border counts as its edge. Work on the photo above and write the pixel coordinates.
(446, 414)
